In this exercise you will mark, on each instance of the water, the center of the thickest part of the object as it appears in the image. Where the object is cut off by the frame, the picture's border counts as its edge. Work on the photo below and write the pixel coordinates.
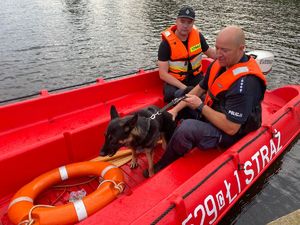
(53, 43)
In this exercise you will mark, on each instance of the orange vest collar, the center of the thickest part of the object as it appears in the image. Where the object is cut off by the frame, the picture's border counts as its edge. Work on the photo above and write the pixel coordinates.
(223, 82)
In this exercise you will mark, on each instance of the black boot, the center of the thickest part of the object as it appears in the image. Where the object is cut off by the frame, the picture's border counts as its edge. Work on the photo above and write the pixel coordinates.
(167, 158)
(156, 168)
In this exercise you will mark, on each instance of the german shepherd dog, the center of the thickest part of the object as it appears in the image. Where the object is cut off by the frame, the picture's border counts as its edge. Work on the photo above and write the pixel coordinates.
(138, 132)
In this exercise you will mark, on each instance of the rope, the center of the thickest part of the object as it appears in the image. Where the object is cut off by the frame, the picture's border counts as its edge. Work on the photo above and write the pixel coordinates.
(19, 98)
(172, 206)
(116, 186)
(71, 86)
(130, 73)
(58, 198)
(30, 220)
(76, 184)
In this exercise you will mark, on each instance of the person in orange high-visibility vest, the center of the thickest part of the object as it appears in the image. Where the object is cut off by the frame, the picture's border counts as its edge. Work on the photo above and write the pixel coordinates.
(180, 54)
(234, 87)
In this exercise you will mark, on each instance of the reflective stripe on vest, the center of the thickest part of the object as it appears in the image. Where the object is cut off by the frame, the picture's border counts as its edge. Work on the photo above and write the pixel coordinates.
(180, 56)
(196, 62)
(224, 81)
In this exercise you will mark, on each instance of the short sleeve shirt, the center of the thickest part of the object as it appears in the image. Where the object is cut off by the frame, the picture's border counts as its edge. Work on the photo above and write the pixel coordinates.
(164, 51)
(241, 97)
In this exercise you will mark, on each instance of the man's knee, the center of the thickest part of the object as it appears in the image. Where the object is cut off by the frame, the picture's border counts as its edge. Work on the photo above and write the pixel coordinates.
(169, 91)
(185, 130)
(182, 139)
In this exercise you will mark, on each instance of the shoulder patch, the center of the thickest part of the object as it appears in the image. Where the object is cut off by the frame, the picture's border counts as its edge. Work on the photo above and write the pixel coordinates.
(239, 70)
(167, 33)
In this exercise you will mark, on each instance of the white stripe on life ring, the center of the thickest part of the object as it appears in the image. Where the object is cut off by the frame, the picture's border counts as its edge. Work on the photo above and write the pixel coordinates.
(80, 210)
(63, 173)
(20, 199)
(106, 169)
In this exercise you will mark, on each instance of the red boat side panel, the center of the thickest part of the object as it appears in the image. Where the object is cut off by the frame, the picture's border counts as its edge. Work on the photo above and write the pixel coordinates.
(20, 167)
(27, 113)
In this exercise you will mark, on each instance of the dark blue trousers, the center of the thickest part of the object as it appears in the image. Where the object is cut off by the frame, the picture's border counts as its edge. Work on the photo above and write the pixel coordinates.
(189, 134)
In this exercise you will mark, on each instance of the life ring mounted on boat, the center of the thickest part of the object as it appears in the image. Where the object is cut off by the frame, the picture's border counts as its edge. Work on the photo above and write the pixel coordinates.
(21, 206)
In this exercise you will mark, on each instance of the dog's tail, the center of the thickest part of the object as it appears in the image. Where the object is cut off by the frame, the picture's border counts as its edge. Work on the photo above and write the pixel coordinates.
(168, 125)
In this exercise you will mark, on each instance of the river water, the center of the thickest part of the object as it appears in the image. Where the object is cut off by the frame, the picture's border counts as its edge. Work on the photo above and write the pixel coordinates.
(53, 43)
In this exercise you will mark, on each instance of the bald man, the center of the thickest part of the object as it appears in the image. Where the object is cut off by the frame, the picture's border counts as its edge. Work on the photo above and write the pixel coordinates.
(235, 87)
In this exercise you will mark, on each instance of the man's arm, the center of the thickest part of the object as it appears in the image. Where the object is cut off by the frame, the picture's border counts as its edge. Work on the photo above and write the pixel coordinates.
(243, 95)
(208, 51)
(196, 91)
(220, 120)
(211, 53)
(163, 67)
(216, 118)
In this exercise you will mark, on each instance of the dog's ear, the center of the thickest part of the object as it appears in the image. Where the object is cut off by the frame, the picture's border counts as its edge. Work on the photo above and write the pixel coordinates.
(130, 124)
(113, 112)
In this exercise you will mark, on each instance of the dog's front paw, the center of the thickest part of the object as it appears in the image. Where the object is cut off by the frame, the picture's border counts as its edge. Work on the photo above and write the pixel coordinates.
(133, 164)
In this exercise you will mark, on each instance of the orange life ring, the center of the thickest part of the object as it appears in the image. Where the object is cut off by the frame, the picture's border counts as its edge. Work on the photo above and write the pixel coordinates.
(22, 202)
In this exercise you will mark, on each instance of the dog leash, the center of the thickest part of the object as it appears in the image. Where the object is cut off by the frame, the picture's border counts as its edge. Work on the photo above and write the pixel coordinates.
(175, 101)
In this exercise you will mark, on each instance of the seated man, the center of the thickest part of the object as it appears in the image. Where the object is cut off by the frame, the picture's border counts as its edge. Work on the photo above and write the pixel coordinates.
(180, 54)
(235, 88)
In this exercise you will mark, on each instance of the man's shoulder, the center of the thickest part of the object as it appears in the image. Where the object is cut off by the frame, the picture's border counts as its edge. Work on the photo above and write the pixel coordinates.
(246, 85)
(164, 46)
(164, 51)
(164, 43)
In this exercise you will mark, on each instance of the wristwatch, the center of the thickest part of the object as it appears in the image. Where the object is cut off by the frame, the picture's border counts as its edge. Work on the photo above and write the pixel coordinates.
(200, 108)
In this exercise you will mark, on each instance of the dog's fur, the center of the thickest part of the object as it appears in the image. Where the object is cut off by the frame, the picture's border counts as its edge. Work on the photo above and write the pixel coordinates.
(138, 132)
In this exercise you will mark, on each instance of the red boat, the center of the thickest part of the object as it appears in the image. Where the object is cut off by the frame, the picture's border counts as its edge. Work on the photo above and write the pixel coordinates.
(57, 129)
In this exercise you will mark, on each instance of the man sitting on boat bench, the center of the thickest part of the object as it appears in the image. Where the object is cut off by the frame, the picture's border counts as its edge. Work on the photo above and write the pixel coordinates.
(180, 54)
(235, 87)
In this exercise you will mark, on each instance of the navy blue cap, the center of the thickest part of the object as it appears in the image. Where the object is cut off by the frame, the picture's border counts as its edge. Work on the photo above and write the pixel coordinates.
(186, 12)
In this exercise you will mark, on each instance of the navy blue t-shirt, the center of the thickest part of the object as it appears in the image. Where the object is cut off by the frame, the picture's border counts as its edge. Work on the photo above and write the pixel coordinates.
(164, 51)
(241, 97)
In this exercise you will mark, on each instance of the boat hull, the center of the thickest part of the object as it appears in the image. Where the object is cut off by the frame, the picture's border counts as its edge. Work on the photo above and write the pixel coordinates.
(44, 133)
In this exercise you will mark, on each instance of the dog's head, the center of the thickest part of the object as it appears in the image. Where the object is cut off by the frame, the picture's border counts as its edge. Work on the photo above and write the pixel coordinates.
(118, 132)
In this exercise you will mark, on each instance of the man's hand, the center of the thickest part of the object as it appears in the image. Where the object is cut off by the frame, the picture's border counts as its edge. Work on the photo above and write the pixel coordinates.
(193, 101)
(174, 113)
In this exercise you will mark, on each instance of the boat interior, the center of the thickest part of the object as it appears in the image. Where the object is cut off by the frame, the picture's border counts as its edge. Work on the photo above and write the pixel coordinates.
(55, 129)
